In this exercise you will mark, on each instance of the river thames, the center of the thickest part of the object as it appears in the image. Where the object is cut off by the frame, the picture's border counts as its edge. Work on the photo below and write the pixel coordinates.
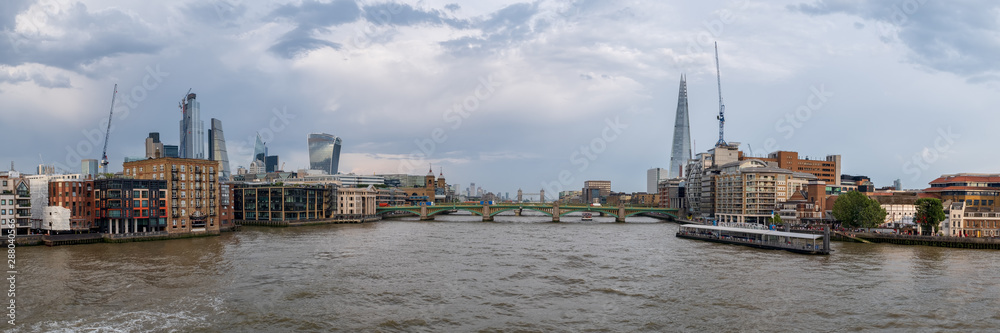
(517, 274)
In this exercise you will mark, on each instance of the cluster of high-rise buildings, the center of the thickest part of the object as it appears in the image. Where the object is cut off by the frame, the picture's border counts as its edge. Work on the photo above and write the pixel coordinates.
(723, 184)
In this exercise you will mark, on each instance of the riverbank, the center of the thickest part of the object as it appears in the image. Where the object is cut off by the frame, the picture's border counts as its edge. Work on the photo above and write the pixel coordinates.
(938, 241)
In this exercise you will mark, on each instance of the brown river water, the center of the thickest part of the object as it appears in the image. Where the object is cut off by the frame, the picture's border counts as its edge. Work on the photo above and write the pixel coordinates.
(519, 274)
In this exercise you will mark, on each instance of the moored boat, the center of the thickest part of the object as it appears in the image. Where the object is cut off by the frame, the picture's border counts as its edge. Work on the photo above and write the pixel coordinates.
(757, 237)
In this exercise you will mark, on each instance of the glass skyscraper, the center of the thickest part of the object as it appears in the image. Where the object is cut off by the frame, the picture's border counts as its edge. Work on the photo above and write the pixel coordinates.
(324, 152)
(217, 148)
(192, 129)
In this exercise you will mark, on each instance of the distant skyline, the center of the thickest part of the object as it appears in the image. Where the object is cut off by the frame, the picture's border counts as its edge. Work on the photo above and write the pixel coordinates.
(509, 94)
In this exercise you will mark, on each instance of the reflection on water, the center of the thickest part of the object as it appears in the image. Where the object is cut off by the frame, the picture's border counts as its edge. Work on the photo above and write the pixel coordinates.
(519, 273)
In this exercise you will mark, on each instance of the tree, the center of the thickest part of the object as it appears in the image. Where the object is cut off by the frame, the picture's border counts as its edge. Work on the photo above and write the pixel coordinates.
(856, 210)
(929, 215)
(776, 219)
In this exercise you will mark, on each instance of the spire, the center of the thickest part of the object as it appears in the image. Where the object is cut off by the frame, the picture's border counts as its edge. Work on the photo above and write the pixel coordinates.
(430, 170)
(680, 151)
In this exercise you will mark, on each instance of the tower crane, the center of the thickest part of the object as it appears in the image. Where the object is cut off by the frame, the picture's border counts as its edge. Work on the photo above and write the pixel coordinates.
(722, 107)
(107, 134)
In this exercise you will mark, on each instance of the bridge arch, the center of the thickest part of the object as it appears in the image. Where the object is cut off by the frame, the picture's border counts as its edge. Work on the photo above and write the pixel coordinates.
(587, 209)
(435, 211)
(643, 211)
(506, 209)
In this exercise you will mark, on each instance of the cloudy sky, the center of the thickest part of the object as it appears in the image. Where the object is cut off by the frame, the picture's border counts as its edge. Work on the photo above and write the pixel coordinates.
(510, 94)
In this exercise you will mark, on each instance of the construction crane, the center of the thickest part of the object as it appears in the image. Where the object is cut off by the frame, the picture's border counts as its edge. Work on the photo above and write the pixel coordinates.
(107, 134)
(722, 107)
(184, 122)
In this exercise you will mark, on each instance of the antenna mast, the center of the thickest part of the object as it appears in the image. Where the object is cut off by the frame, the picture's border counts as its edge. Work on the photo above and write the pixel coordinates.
(722, 107)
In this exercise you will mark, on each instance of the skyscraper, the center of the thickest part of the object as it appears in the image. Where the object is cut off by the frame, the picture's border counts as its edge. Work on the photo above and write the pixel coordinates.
(680, 152)
(324, 152)
(259, 150)
(217, 148)
(192, 129)
(653, 177)
(154, 148)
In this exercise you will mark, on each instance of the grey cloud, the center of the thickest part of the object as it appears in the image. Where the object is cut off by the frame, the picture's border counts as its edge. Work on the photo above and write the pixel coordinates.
(507, 26)
(59, 81)
(108, 33)
(216, 13)
(406, 15)
(9, 9)
(312, 17)
(452, 7)
(956, 37)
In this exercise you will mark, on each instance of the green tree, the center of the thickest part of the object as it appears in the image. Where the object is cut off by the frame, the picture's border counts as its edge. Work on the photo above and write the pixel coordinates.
(930, 213)
(776, 219)
(856, 210)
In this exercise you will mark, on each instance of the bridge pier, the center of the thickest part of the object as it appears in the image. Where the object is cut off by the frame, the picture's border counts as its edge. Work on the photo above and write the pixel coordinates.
(555, 212)
(517, 212)
(621, 214)
(486, 214)
(423, 214)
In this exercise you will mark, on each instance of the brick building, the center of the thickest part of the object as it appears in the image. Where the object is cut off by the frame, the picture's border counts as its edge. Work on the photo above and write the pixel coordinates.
(193, 192)
(827, 170)
(71, 206)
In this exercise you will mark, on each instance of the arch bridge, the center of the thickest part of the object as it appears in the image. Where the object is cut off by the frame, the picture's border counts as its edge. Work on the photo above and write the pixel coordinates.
(553, 210)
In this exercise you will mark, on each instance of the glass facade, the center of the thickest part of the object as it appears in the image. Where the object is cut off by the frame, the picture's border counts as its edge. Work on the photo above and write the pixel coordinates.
(324, 152)
(217, 148)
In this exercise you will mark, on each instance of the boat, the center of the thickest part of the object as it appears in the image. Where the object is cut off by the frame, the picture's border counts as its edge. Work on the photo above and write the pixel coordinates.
(758, 236)
(587, 216)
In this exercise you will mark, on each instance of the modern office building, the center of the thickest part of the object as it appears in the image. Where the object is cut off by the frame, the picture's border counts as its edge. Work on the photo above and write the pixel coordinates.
(653, 177)
(217, 148)
(171, 151)
(192, 129)
(271, 163)
(324, 152)
(680, 151)
(154, 148)
(88, 168)
(283, 203)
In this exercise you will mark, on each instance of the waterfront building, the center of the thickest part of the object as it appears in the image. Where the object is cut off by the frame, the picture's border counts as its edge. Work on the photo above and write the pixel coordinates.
(193, 191)
(217, 148)
(900, 208)
(391, 196)
(653, 177)
(88, 168)
(13, 186)
(827, 170)
(324, 152)
(972, 201)
(71, 206)
(680, 151)
(154, 148)
(671, 194)
(355, 203)
(283, 203)
(127, 205)
(39, 185)
(749, 191)
(603, 185)
(700, 178)
(192, 129)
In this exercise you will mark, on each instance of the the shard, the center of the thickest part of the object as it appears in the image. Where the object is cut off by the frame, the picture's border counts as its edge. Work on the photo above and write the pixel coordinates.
(680, 151)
